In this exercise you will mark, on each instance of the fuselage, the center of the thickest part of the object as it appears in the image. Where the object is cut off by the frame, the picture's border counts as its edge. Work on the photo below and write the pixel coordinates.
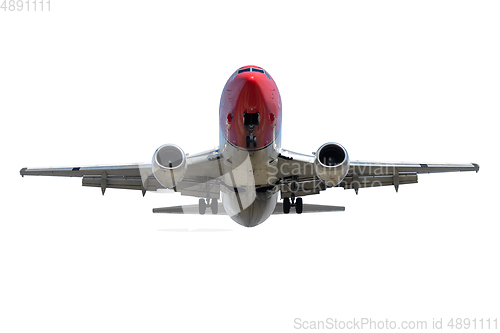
(250, 141)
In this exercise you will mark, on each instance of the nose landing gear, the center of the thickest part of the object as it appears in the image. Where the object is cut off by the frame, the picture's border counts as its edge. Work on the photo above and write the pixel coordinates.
(251, 140)
(251, 120)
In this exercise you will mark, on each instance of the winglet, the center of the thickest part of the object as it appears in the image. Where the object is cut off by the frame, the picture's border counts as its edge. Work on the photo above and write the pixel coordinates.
(22, 172)
(476, 167)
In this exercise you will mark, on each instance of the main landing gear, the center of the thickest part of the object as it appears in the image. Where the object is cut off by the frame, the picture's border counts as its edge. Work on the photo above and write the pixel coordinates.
(297, 203)
(214, 206)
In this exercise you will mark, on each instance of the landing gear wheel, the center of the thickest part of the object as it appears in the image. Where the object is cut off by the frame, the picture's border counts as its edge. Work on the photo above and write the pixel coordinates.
(214, 206)
(298, 205)
(251, 141)
(286, 205)
(202, 206)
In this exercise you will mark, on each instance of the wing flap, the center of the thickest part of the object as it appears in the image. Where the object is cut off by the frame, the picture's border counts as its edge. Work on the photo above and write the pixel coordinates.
(206, 189)
(355, 182)
(122, 182)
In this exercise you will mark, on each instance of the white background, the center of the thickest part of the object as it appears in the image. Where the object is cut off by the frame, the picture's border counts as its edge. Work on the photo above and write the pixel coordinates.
(107, 82)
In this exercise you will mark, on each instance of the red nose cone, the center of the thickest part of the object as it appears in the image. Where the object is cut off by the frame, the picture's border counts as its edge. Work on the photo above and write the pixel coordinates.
(250, 106)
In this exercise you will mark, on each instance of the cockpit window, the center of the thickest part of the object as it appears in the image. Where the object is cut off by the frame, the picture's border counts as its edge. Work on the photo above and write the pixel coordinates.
(253, 69)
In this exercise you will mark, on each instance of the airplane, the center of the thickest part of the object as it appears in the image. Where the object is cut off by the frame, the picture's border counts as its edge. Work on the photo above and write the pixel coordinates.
(243, 177)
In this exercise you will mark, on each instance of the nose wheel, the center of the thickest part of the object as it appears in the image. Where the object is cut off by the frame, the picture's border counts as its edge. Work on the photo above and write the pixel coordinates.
(297, 203)
(251, 121)
(251, 141)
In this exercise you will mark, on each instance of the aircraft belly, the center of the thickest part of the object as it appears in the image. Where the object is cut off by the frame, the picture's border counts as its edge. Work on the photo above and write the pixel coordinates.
(246, 192)
(249, 209)
(249, 167)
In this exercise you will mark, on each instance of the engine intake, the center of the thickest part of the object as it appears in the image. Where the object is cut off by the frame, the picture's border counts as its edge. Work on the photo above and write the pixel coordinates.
(331, 163)
(169, 165)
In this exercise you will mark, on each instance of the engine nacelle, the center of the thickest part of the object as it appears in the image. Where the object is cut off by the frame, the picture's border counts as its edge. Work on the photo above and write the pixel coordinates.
(169, 165)
(331, 163)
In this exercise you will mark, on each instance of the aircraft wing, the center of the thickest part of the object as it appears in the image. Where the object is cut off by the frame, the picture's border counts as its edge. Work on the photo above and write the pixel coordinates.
(297, 170)
(201, 176)
(373, 174)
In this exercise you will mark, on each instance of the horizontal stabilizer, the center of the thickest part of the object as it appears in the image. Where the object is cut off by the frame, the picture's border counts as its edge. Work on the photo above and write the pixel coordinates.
(188, 209)
(194, 209)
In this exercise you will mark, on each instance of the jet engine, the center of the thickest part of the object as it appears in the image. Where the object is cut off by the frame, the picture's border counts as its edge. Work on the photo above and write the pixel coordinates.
(331, 163)
(169, 165)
